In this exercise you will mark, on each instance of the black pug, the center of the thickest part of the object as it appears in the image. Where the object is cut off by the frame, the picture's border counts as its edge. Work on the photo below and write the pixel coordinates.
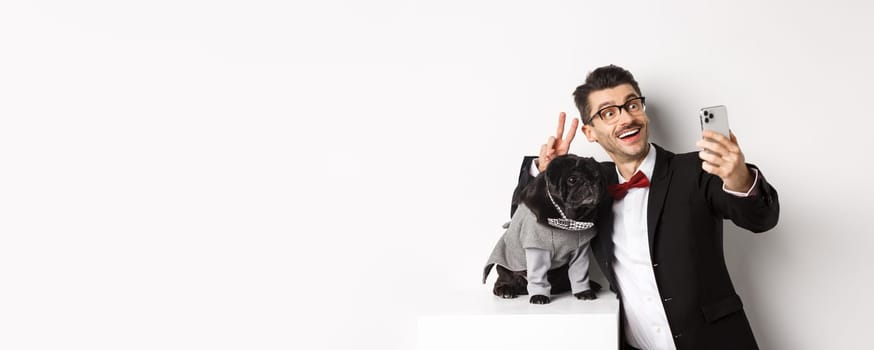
(546, 246)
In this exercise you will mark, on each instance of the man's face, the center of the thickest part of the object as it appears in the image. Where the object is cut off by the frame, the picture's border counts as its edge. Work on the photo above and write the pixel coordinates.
(625, 138)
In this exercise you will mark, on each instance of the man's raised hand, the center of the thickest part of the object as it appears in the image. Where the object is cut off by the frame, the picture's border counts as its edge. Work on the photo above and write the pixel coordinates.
(557, 145)
(724, 158)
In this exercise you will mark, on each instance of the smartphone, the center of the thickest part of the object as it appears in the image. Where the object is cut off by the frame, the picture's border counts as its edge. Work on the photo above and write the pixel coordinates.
(714, 118)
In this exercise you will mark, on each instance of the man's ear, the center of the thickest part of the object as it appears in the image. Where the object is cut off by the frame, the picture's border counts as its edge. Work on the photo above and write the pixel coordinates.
(590, 133)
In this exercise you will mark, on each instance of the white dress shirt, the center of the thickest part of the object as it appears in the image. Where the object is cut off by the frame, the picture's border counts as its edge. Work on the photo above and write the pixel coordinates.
(645, 322)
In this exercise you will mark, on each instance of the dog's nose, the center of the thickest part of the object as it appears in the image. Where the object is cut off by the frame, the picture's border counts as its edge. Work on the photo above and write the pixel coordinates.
(590, 196)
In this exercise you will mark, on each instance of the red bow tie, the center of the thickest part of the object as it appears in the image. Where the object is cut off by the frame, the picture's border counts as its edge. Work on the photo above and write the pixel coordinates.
(618, 191)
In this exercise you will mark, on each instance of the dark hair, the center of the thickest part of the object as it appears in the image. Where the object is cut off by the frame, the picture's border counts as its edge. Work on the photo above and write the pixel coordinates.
(602, 78)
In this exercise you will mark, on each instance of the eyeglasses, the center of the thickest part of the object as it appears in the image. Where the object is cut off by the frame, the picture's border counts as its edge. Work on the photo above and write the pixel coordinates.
(610, 114)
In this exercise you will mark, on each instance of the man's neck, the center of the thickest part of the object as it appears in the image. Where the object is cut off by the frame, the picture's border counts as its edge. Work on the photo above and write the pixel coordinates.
(627, 165)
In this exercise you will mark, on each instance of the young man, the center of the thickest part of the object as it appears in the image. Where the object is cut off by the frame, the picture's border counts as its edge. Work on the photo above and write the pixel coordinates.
(659, 240)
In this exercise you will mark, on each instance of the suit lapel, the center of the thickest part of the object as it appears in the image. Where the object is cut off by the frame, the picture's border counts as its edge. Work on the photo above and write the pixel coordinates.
(604, 238)
(605, 214)
(658, 190)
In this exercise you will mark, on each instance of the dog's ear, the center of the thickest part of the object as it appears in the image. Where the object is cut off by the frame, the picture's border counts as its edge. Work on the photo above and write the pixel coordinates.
(534, 197)
(603, 178)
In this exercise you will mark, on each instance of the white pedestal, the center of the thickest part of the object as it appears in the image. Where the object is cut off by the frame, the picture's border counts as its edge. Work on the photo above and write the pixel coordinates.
(476, 319)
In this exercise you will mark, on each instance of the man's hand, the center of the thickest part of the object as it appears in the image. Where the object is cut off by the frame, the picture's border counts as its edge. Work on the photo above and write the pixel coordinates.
(556, 145)
(722, 157)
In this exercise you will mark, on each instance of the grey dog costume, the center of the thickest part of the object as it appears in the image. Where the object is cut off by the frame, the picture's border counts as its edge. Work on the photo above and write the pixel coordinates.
(528, 245)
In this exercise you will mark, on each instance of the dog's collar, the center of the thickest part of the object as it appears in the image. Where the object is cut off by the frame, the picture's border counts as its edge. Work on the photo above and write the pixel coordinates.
(564, 223)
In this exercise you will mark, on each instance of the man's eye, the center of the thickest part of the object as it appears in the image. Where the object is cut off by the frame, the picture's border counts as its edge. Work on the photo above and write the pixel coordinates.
(607, 114)
(633, 106)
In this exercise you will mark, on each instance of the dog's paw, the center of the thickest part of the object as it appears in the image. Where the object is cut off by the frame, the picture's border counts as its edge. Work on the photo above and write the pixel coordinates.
(505, 292)
(539, 299)
(586, 295)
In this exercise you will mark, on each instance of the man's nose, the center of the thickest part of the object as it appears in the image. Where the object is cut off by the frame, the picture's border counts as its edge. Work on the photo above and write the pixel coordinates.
(624, 116)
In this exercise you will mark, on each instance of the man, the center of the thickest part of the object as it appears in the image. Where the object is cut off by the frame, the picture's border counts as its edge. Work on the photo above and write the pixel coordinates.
(659, 240)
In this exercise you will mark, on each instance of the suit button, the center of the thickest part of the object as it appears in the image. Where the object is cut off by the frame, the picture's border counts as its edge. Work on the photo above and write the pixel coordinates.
(655, 265)
(668, 299)
(678, 335)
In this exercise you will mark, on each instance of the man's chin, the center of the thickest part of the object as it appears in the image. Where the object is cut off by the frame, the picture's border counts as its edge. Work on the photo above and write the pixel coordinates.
(635, 150)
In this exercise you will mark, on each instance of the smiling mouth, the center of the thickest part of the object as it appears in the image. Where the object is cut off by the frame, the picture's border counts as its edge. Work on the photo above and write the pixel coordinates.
(629, 133)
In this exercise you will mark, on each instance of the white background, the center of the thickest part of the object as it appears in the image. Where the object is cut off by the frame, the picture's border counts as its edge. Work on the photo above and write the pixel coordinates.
(266, 175)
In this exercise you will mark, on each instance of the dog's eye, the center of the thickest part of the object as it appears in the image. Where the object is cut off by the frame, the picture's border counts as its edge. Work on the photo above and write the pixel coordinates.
(572, 180)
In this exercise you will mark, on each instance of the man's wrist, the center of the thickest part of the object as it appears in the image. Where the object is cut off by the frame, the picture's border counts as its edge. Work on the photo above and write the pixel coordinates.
(751, 190)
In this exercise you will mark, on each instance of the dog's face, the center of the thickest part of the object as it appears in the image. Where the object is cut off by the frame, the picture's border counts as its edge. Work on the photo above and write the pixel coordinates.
(576, 184)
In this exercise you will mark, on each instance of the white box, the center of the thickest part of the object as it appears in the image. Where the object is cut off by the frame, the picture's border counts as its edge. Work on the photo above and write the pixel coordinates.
(477, 319)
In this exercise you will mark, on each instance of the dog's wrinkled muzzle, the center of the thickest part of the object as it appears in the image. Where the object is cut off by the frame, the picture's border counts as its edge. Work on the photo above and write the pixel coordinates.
(564, 223)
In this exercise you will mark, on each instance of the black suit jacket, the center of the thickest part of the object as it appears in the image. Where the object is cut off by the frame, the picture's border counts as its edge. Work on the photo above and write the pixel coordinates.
(685, 215)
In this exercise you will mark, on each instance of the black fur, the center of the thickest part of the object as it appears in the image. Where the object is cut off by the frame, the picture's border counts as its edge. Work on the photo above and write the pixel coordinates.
(577, 186)
(578, 200)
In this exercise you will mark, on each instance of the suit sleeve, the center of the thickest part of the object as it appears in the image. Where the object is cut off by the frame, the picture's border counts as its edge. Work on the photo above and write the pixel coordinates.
(757, 213)
(524, 178)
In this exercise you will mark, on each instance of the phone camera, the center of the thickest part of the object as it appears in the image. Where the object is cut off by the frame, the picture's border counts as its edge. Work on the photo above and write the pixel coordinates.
(706, 113)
